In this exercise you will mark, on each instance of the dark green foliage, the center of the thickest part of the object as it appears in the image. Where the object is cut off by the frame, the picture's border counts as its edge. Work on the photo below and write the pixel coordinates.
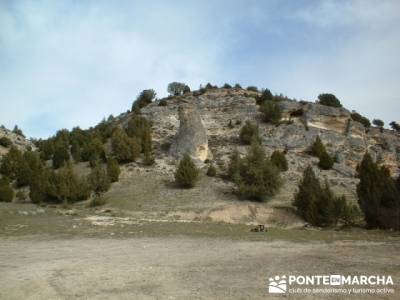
(278, 158)
(271, 112)
(113, 169)
(252, 88)
(238, 86)
(317, 148)
(187, 173)
(378, 123)
(46, 149)
(186, 89)
(43, 186)
(234, 166)
(61, 155)
(104, 129)
(20, 195)
(325, 161)
(6, 191)
(176, 88)
(93, 149)
(144, 99)
(359, 118)
(248, 132)
(76, 151)
(69, 187)
(11, 163)
(163, 102)
(18, 131)
(140, 128)
(258, 178)
(124, 148)
(212, 171)
(5, 142)
(98, 180)
(329, 100)
(395, 126)
(265, 96)
(227, 86)
(378, 197)
(318, 205)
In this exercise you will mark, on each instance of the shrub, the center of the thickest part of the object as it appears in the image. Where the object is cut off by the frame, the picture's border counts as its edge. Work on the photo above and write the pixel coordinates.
(5, 142)
(317, 204)
(249, 132)
(227, 86)
(6, 192)
(69, 187)
(265, 96)
(124, 148)
(186, 89)
(18, 131)
(176, 88)
(325, 161)
(144, 99)
(11, 163)
(234, 166)
(187, 173)
(395, 126)
(271, 112)
(279, 160)
(329, 100)
(317, 147)
(252, 88)
(359, 118)
(378, 197)
(99, 180)
(21, 196)
(162, 102)
(61, 155)
(113, 169)
(378, 123)
(258, 178)
(212, 171)
(238, 86)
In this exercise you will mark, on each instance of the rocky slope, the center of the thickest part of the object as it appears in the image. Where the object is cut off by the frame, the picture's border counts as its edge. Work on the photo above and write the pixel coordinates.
(17, 140)
(224, 111)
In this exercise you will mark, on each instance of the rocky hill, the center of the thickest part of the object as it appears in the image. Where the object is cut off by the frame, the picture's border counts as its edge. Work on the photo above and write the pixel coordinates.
(224, 111)
(15, 139)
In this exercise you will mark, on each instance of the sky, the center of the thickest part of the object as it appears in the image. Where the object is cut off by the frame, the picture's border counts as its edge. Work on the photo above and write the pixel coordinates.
(72, 63)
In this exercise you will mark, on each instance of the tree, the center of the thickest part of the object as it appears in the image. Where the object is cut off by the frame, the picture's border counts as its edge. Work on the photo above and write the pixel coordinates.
(252, 88)
(113, 169)
(248, 132)
(99, 180)
(227, 86)
(61, 155)
(265, 96)
(378, 197)
(212, 171)
(18, 131)
(187, 173)
(186, 89)
(124, 148)
(176, 88)
(6, 191)
(145, 98)
(11, 163)
(329, 100)
(279, 160)
(325, 161)
(317, 147)
(238, 86)
(355, 116)
(5, 142)
(395, 126)
(257, 178)
(234, 166)
(378, 123)
(271, 112)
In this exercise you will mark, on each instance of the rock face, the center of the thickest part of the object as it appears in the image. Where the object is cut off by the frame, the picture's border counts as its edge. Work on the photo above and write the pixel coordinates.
(192, 136)
(16, 140)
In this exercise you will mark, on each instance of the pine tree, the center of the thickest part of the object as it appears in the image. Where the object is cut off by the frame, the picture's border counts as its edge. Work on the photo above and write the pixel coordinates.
(279, 160)
(11, 162)
(317, 148)
(234, 166)
(61, 155)
(248, 132)
(271, 112)
(113, 169)
(124, 149)
(6, 191)
(99, 180)
(325, 161)
(187, 173)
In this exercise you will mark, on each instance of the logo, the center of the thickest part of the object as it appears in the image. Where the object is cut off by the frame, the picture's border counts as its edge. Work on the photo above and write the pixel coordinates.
(277, 285)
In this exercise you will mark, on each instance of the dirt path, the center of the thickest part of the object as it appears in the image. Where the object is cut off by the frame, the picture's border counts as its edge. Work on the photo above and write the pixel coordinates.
(177, 267)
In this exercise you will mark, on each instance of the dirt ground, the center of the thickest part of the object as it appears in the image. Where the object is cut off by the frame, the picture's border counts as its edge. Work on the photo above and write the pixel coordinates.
(34, 267)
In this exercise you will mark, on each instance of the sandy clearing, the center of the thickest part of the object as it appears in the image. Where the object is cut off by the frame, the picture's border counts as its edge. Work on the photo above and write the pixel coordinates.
(176, 267)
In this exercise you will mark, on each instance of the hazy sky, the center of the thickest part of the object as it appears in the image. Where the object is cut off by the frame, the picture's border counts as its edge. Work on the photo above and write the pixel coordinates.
(67, 63)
